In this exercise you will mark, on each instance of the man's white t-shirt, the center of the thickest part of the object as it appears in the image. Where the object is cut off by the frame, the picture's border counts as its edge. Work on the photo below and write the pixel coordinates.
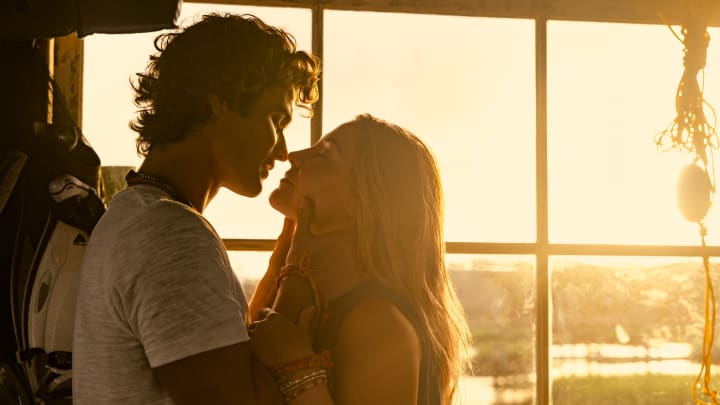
(156, 286)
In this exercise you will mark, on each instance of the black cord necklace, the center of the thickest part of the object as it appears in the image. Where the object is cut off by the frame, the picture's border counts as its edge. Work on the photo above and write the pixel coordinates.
(134, 178)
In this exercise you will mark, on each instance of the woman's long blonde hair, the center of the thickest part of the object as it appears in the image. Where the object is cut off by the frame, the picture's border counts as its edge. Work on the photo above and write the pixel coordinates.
(399, 218)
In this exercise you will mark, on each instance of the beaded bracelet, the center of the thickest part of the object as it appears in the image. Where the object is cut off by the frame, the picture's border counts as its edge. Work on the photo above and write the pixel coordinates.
(288, 383)
(293, 388)
(301, 390)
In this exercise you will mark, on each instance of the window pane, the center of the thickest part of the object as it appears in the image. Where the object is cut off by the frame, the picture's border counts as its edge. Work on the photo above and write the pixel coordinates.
(611, 88)
(468, 95)
(111, 61)
(627, 330)
(249, 267)
(498, 296)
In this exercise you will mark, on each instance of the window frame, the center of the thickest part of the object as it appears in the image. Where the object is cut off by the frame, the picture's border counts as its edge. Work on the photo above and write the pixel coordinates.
(66, 54)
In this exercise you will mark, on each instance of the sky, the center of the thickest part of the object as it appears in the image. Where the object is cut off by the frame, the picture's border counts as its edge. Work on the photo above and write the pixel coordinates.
(466, 86)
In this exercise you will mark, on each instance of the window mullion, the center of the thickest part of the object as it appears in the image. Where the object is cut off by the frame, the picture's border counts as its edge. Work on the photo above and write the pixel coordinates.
(543, 304)
(317, 49)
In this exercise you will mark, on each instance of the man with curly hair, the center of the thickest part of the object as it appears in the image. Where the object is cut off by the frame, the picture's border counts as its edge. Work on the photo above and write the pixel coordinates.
(160, 315)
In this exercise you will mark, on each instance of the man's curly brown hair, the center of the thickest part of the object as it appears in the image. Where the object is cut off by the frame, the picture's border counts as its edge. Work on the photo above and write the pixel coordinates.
(233, 57)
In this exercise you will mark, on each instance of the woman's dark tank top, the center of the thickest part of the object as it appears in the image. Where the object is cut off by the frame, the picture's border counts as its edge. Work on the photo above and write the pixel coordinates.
(337, 310)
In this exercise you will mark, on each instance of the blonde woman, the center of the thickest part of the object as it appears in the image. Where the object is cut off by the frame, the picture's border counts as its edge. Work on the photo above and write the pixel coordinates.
(384, 325)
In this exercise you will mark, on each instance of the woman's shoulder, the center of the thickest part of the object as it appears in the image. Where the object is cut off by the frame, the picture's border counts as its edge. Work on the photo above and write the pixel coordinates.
(375, 321)
(369, 310)
(379, 313)
(378, 347)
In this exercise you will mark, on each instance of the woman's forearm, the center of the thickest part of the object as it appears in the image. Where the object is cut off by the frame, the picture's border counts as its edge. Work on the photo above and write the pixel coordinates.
(263, 296)
(317, 395)
(265, 291)
(306, 387)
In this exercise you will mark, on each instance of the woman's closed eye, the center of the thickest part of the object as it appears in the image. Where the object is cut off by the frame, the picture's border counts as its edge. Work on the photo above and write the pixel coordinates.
(320, 151)
(326, 149)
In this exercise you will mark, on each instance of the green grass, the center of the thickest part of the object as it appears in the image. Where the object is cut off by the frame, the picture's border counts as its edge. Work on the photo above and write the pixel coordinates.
(624, 390)
(618, 390)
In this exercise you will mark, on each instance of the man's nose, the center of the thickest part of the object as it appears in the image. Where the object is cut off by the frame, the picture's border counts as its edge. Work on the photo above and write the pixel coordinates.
(280, 151)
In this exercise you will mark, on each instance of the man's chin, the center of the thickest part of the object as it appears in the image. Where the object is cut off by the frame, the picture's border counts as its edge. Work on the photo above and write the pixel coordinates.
(249, 190)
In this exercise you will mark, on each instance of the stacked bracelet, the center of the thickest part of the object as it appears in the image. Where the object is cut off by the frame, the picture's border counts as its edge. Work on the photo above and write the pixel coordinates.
(291, 389)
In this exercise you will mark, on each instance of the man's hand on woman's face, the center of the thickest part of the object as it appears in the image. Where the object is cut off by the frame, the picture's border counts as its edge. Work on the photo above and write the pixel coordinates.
(282, 245)
(299, 253)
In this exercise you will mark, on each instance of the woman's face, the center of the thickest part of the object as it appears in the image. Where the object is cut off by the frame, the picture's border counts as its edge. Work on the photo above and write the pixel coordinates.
(323, 174)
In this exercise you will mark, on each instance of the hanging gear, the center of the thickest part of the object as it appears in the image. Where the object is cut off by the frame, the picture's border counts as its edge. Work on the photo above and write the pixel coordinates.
(49, 207)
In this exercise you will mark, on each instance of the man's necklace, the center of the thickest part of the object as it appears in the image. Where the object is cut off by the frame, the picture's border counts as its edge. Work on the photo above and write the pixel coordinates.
(134, 178)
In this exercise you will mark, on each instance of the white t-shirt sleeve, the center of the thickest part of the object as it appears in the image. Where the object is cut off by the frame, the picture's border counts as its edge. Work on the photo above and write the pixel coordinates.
(183, 299)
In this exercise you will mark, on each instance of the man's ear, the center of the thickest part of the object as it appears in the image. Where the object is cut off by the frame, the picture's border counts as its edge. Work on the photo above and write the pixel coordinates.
(216, 105)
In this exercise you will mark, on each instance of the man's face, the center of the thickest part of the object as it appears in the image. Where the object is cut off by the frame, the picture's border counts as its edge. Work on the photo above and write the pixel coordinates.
(245, 148)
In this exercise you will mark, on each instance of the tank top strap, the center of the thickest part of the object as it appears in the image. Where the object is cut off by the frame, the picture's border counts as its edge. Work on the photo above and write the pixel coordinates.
(338, 309)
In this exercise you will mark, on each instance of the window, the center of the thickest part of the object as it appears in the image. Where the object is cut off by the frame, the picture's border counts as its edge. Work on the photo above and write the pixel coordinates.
(573, 263)
(611, 88)
(422, 72)
(627, 329)
(498, 295)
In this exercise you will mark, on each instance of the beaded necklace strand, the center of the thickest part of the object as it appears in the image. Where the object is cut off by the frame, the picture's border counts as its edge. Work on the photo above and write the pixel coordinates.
(134, 178)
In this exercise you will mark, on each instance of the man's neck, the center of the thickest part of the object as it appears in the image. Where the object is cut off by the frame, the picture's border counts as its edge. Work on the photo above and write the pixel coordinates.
(186, 169)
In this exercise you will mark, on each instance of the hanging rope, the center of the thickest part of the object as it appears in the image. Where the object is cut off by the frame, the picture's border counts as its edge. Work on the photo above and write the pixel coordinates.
(690, 131)
(708, 335)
